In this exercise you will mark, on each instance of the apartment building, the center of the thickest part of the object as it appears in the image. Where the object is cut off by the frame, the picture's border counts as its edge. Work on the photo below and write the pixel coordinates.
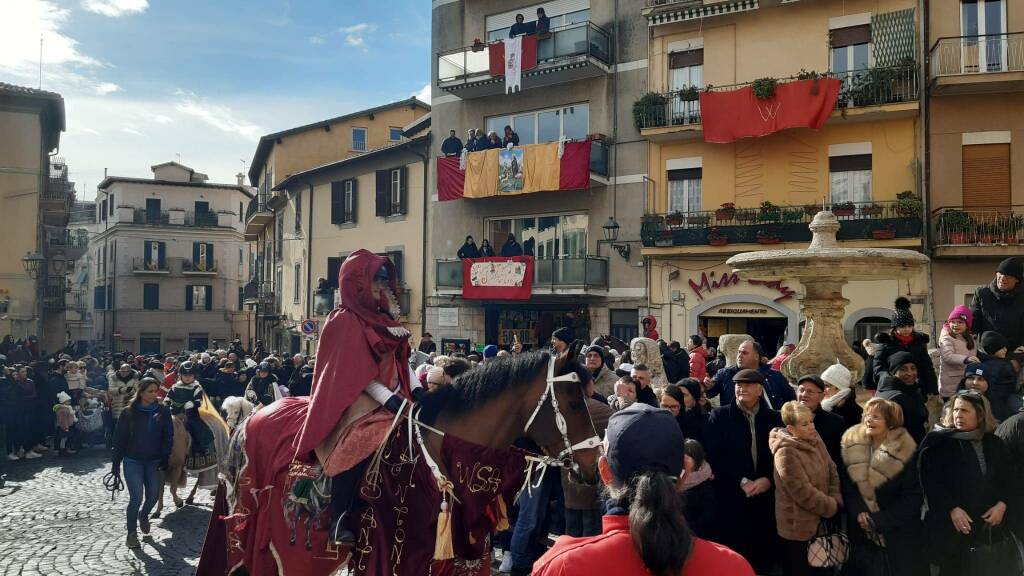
(276, 218)
(729, 180)
(170, 262)
(35, 199)
(579, 78)
(975, 126)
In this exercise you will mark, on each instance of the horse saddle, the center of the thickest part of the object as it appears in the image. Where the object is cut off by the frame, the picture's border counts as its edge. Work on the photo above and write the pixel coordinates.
(357, 435)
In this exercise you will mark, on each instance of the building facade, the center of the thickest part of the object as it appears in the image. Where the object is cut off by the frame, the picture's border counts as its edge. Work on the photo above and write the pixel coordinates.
(170, 261)
(277, 220)
(35, 200)
(975, 161)
(708, 200)
(591, 64)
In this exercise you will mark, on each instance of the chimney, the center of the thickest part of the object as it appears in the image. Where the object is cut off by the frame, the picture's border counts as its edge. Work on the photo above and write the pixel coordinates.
(240, 178)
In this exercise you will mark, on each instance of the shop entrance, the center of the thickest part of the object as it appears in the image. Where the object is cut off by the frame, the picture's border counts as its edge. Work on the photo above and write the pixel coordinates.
(763, 324)
(532, 324)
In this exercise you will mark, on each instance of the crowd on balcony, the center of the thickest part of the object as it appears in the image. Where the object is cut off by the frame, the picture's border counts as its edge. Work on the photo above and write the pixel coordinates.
(540, 26)
(477, 140)
(511, 247)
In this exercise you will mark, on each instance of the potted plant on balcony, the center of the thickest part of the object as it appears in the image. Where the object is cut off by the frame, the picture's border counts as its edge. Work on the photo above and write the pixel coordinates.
(478, 46)
(871, 210)
(844, 209)
(649, 111)
(726, 212)
(986, 233)
(745, 216)
(908, 205)
(717, 238)
(767, 237)
(674, 219)
(764, 88)
(689, 94)
(812, 209)
(954, 226)
(883, 232)
(698, 219)
(791, 215)
(769, 212)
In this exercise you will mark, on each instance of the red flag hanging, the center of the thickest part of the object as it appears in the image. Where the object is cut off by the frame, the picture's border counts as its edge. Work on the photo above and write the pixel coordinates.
(729, 116)
(497, 278)
(496, 55)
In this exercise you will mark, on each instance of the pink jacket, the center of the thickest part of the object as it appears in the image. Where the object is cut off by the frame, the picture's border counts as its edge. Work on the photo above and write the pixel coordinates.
(953, 352)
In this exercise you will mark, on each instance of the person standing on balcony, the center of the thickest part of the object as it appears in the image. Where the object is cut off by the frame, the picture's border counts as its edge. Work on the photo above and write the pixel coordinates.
(470, 140)
(492, 140)
(469, 249)
(510, 137)
(520, 28)
(482, 142)
(486, 250)
(999, 306)
(512, 247)
(451, 146)
(543, 22)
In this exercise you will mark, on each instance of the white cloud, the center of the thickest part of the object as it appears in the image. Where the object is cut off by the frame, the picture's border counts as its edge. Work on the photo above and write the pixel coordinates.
(115, 8)
(130, 130)
(424, 93)
(355, 34)
(216, 115)
(317, 40)
(161, 119)
(104, 88)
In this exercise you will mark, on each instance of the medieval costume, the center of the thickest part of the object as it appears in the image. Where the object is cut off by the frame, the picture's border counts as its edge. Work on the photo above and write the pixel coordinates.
(205, 427)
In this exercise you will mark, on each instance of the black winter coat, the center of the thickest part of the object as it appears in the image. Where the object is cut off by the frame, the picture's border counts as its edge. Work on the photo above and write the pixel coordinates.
(850, 411)
(915, 413)
(918, 348)
(1002, 383)
(951, 478)
(144, 435)
(830, 427)
(1011, 431)
(1002, 312)
(468, 251)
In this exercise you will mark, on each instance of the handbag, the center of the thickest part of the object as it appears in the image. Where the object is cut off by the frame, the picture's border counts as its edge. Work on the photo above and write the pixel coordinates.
(830, 546)
(988, 557)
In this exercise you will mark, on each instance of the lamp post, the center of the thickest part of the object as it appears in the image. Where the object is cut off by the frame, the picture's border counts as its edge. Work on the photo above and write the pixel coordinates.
(611, 234)
(32, 262)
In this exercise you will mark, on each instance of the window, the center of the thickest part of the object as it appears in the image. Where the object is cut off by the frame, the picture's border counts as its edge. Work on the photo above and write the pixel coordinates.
(986, 175)
(359, 139)
(396, 191)
(241, 259)
(624, 323)
(241, 212)
(150, 296)
(568, 122)
(850, 178)
(546, 237)
(869, 327)
(392, 195)
(983, 24)
(396, 258)
(99, 298)
(298, 211)
(202, 257)
(686, 69)
(149, 344)
(111, 204)
(278, 235)
(103, 210)
(394, 134)
(851, 48)
(198, 297)
(296, 298)
(241, 298)
(684, 190)
(343, 202)
(152, 210)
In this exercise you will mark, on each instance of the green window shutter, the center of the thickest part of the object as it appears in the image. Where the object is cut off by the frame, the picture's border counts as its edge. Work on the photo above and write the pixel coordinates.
(354, 217)
(195, 255)
(147, 247)
(337, 202)
(209, 297)
(383, 196)
(893, 35)
(163, 255)
(188, 297)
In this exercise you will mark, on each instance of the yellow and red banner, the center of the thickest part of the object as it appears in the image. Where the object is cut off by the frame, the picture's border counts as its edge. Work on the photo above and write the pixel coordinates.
(519, 170)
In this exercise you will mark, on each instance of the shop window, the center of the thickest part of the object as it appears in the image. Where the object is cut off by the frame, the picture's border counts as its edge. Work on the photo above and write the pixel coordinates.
(850, 178)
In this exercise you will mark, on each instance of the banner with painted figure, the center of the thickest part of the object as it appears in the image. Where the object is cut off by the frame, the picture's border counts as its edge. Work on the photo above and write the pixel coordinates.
(510, 170)
(541, 168)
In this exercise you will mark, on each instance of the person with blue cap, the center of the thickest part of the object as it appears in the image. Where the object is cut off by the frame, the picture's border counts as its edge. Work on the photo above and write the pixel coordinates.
(490, 353)
(644, 531)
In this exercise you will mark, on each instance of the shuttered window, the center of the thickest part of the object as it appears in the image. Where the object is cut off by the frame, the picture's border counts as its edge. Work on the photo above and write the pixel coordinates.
(99, 297)
(850, 36)
(343, 202)
(986, 175)
(151, 296)
(687, 58)
(198, 297)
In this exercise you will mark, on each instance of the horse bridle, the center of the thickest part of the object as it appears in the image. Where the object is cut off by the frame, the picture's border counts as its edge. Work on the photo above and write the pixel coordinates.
(565, 458)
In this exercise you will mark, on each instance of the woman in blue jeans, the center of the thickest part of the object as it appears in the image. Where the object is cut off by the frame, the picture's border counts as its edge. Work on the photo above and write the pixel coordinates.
(143, 439)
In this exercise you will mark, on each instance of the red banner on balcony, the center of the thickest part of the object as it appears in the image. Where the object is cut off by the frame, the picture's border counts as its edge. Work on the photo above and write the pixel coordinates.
(496, 55)
(497, 278)
(729, 116)
(521, 170)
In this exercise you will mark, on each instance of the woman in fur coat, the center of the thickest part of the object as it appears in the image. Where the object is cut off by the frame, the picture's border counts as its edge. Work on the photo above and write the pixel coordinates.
(882, 495)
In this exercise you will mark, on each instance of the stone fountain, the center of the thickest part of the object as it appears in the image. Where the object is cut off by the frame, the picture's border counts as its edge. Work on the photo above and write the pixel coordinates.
(823, 268)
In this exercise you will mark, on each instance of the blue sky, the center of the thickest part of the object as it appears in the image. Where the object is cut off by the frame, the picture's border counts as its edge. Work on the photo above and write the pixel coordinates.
(147, 80)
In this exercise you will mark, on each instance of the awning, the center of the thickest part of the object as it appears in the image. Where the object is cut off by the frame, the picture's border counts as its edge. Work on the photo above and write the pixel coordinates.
(670, 16)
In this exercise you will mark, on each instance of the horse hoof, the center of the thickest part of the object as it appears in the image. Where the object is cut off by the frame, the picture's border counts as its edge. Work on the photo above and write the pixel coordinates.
(155, 515)
(190, 501)
(178, 502)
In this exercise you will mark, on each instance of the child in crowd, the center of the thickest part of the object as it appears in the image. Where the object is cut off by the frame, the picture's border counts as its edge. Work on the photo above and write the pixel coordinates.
(64, 415)
(1001, 375)
(700, 504)
(956, 349)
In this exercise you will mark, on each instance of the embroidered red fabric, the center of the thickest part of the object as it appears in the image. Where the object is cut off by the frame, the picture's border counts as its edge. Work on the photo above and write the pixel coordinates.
(729, 116)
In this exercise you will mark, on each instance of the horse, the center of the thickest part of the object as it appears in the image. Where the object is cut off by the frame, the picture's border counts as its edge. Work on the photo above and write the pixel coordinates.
(610, 342)
(176, 476)
(532, 394)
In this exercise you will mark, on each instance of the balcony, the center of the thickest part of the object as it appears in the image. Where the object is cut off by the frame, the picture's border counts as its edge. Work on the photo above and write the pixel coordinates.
(894, 223)
(250, 292)
(201, 268)
(151, 217)
(54, 294)
(257, 215)
(599, 157)
(978, 64)
(574, 52)
(174, 218)
(145, 267)
(580, 275)
(866, 94)
(62, 241)
(996, 231)
(201, 219)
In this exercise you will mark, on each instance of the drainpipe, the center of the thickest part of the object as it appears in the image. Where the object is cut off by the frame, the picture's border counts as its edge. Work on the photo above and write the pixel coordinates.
(923, 7)
(423, 253)
(309, 264)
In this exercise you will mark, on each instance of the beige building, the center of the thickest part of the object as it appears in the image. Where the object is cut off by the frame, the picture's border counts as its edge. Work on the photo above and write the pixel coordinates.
(170, 261)
(708, 201)
(35, 198)
(277, 220)
(975, 161)
(591, 66)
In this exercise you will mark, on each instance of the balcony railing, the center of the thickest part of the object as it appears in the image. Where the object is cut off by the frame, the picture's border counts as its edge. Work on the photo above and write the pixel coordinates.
(562, 44)
(861, 88)
(251, 290)
(257, 205)
(54, 293)
(778, 224)
(201, 219)
(599, 157)
(207, 267)
(978, 226)
(978, 54)
(143, 266)
(585, 272)
(158, 217)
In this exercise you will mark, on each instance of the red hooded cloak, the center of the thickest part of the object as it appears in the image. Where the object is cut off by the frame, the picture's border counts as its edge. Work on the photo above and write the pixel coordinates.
(360, 342)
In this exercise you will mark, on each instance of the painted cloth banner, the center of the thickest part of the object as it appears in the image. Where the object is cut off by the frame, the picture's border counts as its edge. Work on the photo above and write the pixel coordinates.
(513, 64)
(729, 116)
(497, 278)
(493, 172)
(496, 55)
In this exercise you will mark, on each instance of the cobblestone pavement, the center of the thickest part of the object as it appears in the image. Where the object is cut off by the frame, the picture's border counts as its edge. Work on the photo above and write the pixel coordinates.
(56, 518)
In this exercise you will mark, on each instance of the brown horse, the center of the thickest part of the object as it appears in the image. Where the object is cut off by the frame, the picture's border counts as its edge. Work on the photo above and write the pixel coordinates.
(490, 407)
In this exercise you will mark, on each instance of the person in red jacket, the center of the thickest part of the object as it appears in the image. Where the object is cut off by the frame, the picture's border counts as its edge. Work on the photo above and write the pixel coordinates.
(650, 324)
(644, 530)
(698, 357)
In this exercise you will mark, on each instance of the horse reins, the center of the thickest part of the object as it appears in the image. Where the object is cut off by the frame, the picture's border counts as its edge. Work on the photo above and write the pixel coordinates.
(112, 483)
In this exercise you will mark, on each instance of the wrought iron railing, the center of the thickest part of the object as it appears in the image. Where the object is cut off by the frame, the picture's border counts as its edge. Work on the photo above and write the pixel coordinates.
(987, 54)
(201, 219)
(563, 43)
(209, 266)
(771, 224)
(147, 265)
(860, 88)
(144, 216)
(586, 272)
(257, 205)
(978, 226)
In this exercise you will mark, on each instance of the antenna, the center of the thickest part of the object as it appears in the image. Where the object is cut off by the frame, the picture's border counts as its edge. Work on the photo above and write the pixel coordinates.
(178, 155)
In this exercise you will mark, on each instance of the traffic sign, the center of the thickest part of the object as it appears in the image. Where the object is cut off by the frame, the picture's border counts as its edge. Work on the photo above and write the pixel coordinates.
(308, 327)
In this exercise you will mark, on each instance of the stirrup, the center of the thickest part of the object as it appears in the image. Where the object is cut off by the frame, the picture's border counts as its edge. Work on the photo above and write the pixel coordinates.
(341, 536)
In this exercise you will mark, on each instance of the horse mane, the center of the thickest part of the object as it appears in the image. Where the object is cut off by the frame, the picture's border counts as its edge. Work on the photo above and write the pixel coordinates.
(485, 382)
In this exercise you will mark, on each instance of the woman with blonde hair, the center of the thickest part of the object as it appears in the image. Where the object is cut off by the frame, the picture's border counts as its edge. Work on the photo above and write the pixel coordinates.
(882, 495)
(967, 477)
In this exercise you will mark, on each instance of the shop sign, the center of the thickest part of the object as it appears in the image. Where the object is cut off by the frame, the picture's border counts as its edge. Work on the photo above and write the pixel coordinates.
(709, 284)
(742, 309)
(448, 317)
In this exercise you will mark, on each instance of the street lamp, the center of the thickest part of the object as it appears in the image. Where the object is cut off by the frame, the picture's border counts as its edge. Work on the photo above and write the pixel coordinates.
(611, 234)
(32, 261)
